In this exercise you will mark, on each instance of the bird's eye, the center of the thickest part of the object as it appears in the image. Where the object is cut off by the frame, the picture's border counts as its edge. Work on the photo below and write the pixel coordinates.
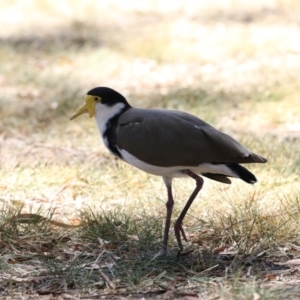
(96, 99)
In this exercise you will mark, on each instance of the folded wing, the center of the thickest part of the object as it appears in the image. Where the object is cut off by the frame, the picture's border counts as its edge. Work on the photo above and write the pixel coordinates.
(171, 138)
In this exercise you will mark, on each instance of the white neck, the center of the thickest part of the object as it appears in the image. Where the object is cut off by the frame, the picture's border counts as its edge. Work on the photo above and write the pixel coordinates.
(104, 113)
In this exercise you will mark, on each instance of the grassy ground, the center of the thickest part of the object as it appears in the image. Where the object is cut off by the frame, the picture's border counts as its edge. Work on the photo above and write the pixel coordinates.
(77, 223)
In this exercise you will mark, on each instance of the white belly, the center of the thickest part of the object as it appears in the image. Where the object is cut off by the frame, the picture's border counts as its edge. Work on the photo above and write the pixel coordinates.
(176, 171)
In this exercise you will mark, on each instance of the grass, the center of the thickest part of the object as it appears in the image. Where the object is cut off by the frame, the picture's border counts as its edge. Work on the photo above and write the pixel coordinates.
(74, 221)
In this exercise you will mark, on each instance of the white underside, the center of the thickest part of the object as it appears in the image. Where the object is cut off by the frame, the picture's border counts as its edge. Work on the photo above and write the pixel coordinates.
(175, 171)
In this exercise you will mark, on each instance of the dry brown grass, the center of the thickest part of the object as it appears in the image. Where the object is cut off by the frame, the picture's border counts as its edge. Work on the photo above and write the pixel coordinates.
(232, 63)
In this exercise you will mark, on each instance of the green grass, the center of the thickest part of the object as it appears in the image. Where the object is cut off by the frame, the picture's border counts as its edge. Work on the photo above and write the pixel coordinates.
(241, 249)
(235, 67)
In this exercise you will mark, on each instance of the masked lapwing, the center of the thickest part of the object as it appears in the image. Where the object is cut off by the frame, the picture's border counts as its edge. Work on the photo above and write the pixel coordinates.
(167, 143)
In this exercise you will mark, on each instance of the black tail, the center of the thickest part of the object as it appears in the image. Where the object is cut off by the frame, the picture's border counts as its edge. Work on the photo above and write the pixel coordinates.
(242, 173)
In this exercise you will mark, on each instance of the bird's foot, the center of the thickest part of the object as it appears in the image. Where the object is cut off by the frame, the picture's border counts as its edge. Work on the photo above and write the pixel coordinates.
(184, 253)
(179, 232)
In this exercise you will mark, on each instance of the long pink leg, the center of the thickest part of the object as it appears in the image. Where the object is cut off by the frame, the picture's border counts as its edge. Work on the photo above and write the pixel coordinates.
(178, 224)
(169, 205)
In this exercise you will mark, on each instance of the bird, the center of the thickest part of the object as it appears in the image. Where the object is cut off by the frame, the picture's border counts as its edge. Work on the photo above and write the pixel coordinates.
(167, 143)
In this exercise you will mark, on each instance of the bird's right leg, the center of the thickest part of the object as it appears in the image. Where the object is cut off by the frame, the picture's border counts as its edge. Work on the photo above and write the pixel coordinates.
(169, 205)
(178, 224)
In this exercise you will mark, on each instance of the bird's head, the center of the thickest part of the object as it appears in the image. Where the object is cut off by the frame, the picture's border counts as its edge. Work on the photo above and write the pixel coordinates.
(97, 97)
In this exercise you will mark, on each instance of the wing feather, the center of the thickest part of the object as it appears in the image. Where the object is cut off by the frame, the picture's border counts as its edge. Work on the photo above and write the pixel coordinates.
(171, 138)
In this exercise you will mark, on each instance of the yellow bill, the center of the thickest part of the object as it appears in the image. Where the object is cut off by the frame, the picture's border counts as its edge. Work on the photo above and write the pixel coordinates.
(87, 107)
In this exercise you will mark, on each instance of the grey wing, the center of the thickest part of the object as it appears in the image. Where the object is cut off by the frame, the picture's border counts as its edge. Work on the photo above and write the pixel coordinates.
(171, 138)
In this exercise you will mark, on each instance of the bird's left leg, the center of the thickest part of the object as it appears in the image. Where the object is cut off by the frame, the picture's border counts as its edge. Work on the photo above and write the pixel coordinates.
(178, 224)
